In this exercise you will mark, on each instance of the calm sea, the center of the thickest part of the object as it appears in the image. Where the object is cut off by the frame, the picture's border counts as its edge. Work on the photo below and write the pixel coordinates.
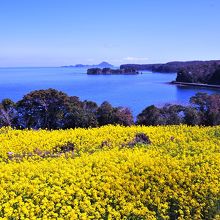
(134, 91)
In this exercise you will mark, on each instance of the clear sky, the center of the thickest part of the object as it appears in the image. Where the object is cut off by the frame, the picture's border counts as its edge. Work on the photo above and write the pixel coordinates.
(63, 32)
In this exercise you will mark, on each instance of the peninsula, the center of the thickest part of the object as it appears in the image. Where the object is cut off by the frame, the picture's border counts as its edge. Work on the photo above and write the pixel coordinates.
(201, 73)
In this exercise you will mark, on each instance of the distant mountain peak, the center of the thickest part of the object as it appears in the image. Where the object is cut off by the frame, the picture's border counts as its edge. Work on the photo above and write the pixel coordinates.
(105, 65)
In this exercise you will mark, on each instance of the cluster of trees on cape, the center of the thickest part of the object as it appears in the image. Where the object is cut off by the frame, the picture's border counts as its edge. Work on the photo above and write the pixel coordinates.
(52, 109)
(205, 72)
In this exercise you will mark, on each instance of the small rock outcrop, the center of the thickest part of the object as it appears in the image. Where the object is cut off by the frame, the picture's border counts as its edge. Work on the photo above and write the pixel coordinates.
(140, 138)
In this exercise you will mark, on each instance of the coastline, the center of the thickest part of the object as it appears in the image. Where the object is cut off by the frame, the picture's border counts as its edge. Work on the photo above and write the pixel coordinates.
(195, 84)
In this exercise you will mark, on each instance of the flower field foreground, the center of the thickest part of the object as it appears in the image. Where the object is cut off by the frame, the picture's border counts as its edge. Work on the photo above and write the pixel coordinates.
(112, 172)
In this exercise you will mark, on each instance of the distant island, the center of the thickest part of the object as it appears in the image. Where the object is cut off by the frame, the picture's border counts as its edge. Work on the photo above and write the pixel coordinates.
(100, 65)
(199, 73)
(109, 71)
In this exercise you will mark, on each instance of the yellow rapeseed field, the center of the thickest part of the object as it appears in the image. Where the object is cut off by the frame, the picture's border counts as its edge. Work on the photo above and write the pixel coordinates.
(102, 173)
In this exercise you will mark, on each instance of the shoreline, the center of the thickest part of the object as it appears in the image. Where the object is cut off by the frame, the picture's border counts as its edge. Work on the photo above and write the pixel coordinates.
(195, 84)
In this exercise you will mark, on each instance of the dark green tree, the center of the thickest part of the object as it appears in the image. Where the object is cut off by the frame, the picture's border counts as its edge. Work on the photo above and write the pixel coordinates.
(105, 114)
(208, 107)
(192, 116)
(79, 117)
(43, 109)
(150, 116)
(8, 113)
(123, 116)
(172, 114)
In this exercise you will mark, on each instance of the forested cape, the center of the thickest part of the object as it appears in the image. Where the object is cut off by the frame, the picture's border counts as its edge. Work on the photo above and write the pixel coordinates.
(207, 72)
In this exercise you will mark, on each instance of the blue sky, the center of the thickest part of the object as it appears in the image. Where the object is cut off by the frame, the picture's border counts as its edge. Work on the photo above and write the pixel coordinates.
(62, 32)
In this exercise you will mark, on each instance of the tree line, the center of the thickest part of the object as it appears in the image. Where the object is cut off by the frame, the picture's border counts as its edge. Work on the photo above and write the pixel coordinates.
(52, 109)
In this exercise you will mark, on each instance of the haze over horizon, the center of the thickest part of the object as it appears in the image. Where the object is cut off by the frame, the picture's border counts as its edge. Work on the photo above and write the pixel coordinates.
(68, 32)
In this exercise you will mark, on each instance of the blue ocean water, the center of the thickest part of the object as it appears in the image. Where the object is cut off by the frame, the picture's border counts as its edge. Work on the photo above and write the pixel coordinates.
(133, 91)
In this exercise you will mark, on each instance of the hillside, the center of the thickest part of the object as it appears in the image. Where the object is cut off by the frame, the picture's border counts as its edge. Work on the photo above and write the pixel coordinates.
(112, 172)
